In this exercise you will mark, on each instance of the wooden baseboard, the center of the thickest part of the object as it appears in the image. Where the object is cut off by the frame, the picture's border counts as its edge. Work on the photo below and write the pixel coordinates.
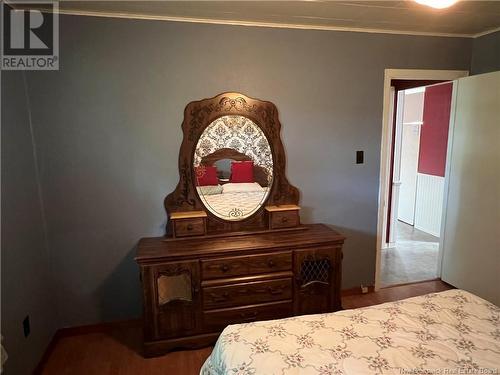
(99, 327)
(413, 283)
(46, 354)
(356, 290)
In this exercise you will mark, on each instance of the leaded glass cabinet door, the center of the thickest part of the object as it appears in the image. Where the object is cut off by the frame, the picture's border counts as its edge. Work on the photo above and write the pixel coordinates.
(176, 298)
(315, 271)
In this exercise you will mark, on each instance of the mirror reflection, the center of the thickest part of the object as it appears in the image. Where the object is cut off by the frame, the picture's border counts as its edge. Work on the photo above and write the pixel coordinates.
(233, 167)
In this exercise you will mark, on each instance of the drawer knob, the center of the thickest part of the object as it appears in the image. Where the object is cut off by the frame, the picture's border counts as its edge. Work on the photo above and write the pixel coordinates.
(190, 227)
(271, 263)
(284, 219)
(249, 316)
(273, 291)
(219, 298)
(224, 268)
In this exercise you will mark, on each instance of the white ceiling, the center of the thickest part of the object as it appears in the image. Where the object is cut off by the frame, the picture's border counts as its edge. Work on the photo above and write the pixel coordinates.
(466, 18)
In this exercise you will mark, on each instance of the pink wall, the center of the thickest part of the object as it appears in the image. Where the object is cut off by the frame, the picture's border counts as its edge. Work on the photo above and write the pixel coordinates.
(434, 132)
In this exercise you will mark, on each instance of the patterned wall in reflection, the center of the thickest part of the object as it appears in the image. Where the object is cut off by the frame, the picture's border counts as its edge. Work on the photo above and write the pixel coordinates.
(238, 133)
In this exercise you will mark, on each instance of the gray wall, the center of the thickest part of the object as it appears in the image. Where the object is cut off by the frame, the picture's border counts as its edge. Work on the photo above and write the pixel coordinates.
(486, 54)
(26, 284)
(108, 135)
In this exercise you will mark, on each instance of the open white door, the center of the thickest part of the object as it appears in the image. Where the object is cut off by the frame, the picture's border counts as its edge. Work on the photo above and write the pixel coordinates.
(410, 142)
(410, 146)
(471, 222)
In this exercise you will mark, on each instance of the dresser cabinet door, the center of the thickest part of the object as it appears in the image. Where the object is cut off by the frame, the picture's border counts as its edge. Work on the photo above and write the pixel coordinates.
(176, 302)
(316, 271)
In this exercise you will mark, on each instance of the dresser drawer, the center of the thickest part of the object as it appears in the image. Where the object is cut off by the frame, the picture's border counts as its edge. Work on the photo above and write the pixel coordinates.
(247, 293)
(284, 219)
(189, 227)
(246, 265)
(218, 319)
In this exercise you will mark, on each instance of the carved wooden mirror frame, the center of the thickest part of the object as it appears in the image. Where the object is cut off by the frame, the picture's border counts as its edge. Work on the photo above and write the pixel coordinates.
(197, 116)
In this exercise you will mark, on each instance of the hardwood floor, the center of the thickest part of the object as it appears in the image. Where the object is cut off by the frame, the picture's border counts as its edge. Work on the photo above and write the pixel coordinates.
(394, 293)
(117, 350)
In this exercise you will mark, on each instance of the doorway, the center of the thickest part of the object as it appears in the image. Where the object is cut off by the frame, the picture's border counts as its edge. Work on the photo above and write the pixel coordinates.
(410, 253)
(413, 157)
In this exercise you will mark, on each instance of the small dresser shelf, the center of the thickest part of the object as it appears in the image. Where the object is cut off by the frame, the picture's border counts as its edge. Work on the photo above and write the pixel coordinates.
(189, 223)
(283, 216)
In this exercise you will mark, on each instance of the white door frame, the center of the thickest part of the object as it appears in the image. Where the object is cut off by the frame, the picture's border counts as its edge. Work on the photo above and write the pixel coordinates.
(396, 168)
(390, 118)
(386, 147)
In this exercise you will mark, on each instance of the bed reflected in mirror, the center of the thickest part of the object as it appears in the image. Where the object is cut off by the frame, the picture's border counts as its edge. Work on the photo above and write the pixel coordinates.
(233, 167)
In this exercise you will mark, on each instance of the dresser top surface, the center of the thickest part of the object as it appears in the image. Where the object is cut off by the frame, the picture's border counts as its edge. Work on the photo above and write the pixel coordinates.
(155, 248)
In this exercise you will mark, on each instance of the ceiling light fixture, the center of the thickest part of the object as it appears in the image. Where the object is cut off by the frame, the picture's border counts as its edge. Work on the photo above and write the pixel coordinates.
(438, 4)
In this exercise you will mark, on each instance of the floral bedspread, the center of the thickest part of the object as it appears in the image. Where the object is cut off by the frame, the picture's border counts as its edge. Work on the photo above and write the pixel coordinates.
(452, 332)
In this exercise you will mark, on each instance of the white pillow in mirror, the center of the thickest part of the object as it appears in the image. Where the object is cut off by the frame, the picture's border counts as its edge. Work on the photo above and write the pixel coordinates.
(241, 187)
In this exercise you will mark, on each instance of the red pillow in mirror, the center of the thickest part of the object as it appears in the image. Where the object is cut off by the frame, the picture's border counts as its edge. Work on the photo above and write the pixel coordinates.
(206, 175)
(242, 171)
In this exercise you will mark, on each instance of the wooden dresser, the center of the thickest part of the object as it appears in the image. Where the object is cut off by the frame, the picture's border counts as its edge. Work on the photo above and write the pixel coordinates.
(234, 250)
(194, 287)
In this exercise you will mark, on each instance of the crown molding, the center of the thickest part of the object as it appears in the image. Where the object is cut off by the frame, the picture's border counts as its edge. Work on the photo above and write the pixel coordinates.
(215, 21)
(249, 23)
(486, 32)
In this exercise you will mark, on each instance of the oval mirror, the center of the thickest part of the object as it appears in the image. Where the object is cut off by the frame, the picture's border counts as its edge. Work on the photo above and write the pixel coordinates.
(233, 167)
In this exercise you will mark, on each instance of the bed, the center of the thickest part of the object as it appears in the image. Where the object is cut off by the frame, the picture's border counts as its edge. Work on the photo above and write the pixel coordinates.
(452, 332)
(233, 201)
